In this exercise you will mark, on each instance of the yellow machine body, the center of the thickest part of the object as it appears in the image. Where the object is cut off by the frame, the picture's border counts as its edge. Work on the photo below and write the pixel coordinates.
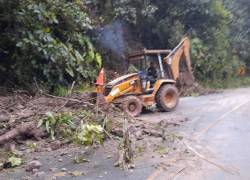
(133, 85)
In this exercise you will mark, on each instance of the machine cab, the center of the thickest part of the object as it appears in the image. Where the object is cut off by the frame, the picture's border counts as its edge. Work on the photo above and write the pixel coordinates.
(150, 67)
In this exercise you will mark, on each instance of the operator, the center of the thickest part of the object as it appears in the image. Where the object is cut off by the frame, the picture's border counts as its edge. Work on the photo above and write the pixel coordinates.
(152, 73)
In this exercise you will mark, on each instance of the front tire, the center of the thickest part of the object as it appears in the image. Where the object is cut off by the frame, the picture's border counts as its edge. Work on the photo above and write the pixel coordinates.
(167, 98)
(132, 106)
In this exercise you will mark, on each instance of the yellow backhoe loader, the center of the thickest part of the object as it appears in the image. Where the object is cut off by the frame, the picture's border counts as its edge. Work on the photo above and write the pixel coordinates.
(154, 77)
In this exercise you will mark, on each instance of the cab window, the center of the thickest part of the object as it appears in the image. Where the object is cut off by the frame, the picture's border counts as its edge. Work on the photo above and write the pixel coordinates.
(137, 65)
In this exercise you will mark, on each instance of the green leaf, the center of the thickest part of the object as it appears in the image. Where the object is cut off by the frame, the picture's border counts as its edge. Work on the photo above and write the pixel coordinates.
(40, 123)
(76, 173)
(15, 161)
(19, 44)
(91, 55)
(47, 126)
(99, 60)
(52, 134)
(46, 29)
(70, 71)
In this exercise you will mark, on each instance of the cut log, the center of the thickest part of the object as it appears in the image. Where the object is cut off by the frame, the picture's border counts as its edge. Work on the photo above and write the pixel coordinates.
(28, 129)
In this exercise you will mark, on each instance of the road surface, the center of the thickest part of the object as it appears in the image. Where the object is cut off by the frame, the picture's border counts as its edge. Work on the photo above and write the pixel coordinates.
(219, 126)
(216, 138)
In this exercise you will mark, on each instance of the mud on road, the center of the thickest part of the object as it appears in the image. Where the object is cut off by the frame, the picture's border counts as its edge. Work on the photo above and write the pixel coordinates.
(152, 142)
(152, 151)
(202, 139)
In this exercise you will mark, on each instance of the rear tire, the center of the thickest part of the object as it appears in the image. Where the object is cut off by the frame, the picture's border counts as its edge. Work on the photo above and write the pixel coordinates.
(132, 106)
(167, 98)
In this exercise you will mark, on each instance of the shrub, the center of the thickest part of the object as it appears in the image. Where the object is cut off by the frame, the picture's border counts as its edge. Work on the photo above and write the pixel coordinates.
(46, 40)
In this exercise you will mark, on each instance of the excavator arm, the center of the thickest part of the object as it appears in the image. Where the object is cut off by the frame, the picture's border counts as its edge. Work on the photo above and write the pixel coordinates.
(178, 54)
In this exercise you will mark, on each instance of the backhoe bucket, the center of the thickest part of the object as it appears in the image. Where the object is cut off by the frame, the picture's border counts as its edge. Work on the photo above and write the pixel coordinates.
(186, 79)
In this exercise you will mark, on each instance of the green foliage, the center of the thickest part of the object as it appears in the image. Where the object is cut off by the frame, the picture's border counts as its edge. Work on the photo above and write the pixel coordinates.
(14, 161)
(80, 159)
(31, 145)
(85, 88)
(46, 40)
(227, 83)
(199, 53)
(133, 10)
(167, 21)
(239, 28)
(60, 90)
(89, 134)
(209, 66)
(63, 91)
(88, 116)
(62, 125)
(57, 122)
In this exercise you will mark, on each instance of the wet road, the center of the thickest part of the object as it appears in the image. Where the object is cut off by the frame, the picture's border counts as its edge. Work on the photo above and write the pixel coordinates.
(220, 126)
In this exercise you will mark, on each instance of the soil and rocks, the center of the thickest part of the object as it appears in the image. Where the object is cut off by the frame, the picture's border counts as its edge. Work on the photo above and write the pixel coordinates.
(20, 113)
(158, 143)
(197, 90)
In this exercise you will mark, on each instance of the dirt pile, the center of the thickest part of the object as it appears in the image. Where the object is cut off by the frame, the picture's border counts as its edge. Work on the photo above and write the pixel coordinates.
(45, 122)
(21, 112)
(196, 90)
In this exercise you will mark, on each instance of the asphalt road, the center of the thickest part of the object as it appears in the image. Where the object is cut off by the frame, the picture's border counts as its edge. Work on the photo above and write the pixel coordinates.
(221, 124)
(217, 136)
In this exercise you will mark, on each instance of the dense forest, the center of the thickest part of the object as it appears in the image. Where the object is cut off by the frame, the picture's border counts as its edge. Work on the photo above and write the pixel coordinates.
(55, 42)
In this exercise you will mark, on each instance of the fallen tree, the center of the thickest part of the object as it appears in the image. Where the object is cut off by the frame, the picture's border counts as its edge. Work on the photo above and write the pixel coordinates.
(28, 129)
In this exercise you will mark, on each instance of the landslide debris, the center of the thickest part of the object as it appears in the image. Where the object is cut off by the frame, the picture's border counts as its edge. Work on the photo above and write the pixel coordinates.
(43, 123)
(51, 122)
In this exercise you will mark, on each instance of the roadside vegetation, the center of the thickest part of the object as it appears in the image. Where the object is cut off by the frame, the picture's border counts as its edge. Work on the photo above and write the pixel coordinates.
(46, 41)
(54, 43)
(227, 83)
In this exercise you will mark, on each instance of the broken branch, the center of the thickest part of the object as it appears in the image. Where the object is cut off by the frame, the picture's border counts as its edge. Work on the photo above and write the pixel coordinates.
(29, 129)
(70, 92)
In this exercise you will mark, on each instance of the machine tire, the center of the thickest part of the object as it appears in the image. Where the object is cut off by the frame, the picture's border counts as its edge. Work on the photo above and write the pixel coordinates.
(167, 98)
(132, 106)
